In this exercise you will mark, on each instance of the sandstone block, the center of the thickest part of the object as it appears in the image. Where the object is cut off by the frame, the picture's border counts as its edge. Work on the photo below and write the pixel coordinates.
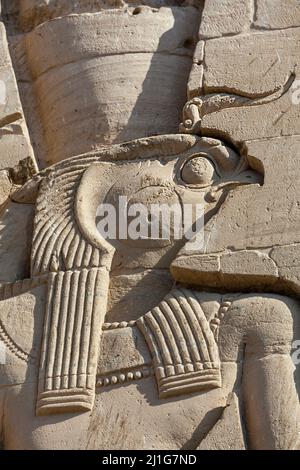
(277, 14)
(257, 64)
(14, 146)
(224, 17)
(15, 233)
(227, 432)
(111, 83)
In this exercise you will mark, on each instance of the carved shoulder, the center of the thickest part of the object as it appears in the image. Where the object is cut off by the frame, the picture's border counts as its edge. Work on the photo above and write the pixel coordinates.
(251, 309)
(263, 322)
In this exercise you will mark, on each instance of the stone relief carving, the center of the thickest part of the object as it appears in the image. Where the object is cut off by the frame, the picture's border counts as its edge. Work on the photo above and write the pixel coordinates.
(139, 344)
(198, 107)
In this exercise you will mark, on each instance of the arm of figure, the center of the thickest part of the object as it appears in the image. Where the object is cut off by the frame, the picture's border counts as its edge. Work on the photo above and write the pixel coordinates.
(270, 396)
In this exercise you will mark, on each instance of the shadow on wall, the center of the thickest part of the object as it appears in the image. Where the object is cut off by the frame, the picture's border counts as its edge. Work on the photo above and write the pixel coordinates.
(107, 77)
(158, 109)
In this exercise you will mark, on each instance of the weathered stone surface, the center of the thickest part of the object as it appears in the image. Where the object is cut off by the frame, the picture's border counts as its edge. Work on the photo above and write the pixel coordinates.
(244, 269)
(90, 36)
(195, 81)
(257, 64)
(123, 356)
(14, 140)
(133, 351)
(16, 231)
(277, 118)
(267, 215)
(4, 54)
(194, 84)
(260, 78)
(258, 218)
(5, 188)
(10, 107)
(35, 12)
(146, 339)
(227, 433)
(110, 83)
(14, 146)
(124, 298)
(286, 258)
(225, 17)
(276, 14)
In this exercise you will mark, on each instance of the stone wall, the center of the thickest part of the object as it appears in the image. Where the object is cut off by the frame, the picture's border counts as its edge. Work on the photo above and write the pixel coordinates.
(83, 89)
(248, 77)
(14, 140)
(149, 343)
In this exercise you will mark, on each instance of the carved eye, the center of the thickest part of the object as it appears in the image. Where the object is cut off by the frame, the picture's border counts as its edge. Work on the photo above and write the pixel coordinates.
(198, 171)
